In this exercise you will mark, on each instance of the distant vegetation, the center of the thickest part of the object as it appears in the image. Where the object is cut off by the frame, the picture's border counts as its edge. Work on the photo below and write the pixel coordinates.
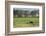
(25, 13)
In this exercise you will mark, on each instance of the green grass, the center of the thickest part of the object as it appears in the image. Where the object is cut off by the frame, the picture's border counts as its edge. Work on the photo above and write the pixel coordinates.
(24, 22)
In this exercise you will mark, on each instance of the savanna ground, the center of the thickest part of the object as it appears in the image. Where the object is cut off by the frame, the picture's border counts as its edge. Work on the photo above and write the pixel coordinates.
(25, 22)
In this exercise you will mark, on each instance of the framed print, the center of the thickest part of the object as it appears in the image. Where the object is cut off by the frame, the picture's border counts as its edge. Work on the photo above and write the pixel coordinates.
(24, 17)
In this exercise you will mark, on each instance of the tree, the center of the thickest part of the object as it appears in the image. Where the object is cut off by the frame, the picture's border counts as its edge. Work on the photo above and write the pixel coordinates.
(34, 12)
(26, 13)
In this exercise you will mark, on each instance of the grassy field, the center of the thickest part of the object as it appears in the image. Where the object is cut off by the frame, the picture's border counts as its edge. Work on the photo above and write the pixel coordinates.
(25, 22)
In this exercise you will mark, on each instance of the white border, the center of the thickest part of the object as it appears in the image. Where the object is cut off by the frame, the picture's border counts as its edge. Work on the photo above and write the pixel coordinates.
(28, 28)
